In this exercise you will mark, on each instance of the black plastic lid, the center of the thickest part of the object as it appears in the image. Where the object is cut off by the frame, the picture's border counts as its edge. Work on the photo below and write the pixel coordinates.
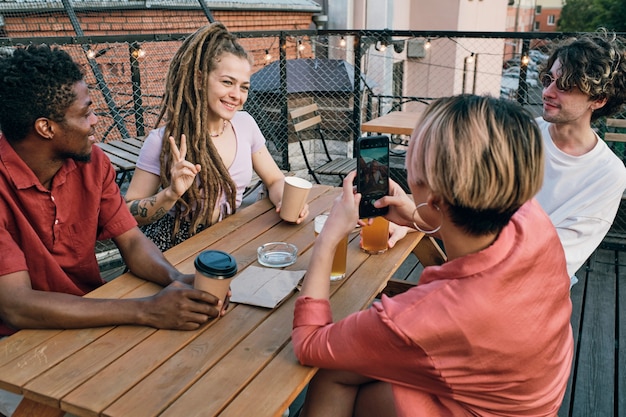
(215, 263)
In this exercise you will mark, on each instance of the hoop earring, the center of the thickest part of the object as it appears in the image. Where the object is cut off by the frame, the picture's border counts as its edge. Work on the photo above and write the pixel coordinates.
(428, 232)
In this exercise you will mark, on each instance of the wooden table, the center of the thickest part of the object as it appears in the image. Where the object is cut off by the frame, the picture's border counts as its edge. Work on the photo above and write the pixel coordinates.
(123, 155)
(395, 123)
(239, 365)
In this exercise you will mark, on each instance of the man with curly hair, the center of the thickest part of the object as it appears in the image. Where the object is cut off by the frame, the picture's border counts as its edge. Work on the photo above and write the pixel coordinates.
(584, 79)
(58, 195)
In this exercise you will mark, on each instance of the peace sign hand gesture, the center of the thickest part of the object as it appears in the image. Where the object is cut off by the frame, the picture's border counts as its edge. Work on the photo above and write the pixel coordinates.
(183, 172)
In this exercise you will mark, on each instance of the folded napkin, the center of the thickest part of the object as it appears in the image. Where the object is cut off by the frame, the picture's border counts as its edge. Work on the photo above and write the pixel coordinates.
(264, 287)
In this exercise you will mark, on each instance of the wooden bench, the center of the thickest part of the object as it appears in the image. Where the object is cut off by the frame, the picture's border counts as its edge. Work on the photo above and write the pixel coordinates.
(123, 155)
(615, 137)
(615, 134)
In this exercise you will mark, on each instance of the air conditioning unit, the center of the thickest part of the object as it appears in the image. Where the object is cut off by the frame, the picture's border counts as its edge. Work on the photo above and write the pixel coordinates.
(415, 48)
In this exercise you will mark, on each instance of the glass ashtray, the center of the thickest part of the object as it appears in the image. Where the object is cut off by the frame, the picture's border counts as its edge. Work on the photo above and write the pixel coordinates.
(277, 254)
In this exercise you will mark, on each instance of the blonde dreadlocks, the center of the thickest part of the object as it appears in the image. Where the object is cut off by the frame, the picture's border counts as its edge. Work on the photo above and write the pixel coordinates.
(184, 108)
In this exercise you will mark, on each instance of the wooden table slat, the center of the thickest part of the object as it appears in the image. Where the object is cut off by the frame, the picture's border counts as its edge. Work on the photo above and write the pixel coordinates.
(120, 153)
(234, 370)
(56, 350)
(140, 371)
(395, 123)
(169, 393)
(126, 146)
(252, 400)
(120, 164)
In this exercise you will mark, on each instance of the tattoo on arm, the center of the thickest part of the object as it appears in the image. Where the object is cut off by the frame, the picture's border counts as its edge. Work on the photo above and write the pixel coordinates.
(134, 208)
(139, 208)
(158, 214)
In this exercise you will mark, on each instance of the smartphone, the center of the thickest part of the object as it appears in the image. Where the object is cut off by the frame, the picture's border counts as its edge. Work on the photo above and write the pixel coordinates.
(372, 174)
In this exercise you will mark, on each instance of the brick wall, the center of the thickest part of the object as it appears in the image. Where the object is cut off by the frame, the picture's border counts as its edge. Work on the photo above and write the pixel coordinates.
(148, 21)
(114, 62)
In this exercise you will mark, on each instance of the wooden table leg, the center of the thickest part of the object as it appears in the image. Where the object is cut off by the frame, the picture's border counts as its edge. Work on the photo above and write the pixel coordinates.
(30, 408)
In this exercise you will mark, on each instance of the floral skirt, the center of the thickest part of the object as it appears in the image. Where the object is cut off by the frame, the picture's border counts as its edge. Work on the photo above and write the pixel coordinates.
(160, 232)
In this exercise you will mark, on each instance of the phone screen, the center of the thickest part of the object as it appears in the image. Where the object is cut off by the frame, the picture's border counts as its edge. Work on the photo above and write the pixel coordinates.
(372, 173)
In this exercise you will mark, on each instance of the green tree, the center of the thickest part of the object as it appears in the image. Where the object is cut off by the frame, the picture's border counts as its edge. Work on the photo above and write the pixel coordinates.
(589, 15)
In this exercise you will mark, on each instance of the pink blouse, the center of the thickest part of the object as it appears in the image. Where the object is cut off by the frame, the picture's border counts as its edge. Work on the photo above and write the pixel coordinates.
(488, 334)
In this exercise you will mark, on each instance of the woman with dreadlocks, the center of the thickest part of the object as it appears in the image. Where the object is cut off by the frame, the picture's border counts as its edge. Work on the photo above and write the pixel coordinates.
(197, 176)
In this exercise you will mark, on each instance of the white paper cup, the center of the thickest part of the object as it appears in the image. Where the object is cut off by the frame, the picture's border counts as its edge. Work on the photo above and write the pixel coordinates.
(295, 193)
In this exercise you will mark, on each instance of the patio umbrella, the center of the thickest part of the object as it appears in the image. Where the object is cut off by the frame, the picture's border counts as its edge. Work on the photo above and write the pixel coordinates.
(307, 75)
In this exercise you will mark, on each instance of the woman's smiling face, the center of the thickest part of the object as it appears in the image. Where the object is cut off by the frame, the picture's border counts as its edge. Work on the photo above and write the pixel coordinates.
(229, 84)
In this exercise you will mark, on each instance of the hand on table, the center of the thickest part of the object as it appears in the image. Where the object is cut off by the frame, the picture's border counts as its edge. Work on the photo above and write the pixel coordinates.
(181, 307)
(303, 214)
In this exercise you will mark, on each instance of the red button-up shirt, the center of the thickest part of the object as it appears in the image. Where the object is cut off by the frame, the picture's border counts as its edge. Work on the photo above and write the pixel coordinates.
(52, 233)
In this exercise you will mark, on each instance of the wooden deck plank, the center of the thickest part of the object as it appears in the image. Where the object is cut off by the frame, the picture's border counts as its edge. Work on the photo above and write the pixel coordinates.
(577, 296)
(621, 335)
(594, 389)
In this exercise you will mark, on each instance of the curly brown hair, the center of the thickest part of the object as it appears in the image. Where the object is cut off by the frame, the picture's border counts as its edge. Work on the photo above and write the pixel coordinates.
(183, 107)
(35, 81)
(596, 64)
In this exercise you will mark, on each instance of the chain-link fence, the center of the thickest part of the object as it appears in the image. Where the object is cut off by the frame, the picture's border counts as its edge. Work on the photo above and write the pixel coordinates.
(353, 76)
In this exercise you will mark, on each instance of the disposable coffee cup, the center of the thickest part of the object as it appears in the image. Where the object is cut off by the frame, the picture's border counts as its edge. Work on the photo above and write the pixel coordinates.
(295, 192)
(214, 272)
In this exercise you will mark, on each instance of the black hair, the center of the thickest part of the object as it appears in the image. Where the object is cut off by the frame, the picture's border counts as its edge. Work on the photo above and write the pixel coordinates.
(36, 81)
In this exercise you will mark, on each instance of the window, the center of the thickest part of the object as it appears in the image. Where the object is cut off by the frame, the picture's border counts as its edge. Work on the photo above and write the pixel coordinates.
(537, 26)
(551, 20)
(538, 9)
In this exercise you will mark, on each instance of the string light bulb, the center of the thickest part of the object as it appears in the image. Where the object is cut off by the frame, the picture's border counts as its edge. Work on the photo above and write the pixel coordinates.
(300, 45)
(525, 60)
(139, 53)
(91, 54)
(268, 57)
(470, 58)
(342, 42)
(427, 44)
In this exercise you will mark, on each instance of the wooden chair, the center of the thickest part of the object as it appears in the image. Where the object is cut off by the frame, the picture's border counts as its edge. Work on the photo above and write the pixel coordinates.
(307, 119)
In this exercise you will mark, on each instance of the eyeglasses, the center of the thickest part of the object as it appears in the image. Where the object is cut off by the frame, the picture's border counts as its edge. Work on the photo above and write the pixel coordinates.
(548, 79)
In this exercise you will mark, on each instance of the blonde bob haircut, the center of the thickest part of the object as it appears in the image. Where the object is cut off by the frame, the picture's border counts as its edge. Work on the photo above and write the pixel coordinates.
(483, 156)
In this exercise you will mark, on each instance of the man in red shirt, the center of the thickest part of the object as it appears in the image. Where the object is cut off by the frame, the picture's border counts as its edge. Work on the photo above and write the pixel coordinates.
(57, 197)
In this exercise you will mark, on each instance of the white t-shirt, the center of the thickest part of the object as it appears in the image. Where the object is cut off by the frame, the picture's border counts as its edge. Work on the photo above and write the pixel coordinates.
(581, 194)
(249, 140)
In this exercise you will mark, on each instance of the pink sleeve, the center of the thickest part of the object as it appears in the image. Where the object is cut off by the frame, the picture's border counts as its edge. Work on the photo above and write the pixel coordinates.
(366, 342)
(150, 156)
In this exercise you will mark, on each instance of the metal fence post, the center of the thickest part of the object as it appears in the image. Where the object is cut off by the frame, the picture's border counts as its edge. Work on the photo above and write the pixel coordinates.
(356, 110)
(284, 113)
(135, 53)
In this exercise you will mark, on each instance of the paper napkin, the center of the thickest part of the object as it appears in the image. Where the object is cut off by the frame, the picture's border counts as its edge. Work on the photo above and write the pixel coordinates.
(264, 287)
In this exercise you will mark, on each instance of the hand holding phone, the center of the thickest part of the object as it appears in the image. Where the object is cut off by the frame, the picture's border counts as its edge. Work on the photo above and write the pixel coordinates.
(372, 174)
